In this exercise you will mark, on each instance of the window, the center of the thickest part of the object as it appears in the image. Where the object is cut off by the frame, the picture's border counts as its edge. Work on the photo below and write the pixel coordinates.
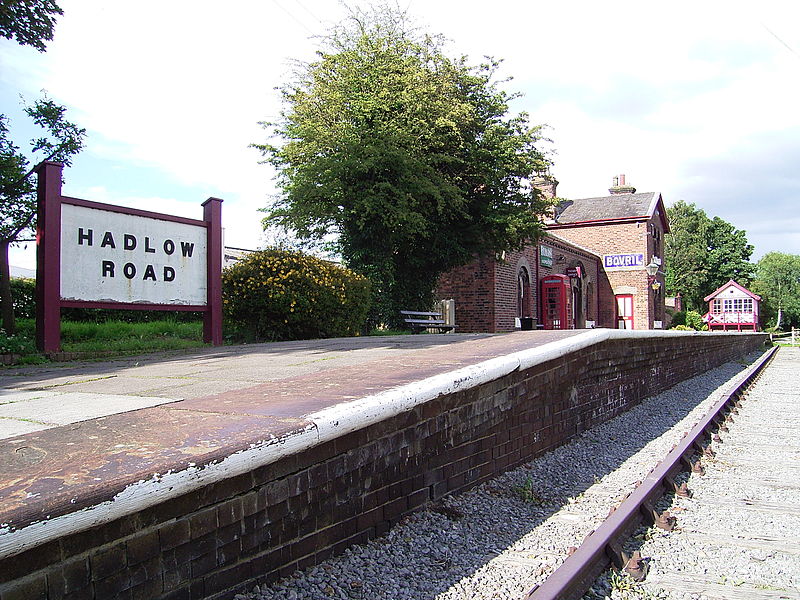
(733, 305)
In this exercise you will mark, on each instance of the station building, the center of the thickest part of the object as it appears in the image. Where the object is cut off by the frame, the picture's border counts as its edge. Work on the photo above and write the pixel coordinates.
(599, 264)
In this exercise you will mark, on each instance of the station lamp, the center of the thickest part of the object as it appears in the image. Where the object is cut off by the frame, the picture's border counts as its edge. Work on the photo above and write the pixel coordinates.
(652, 269)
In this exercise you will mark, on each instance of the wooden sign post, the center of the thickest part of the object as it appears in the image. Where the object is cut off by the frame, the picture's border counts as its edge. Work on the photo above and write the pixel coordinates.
(95, 255)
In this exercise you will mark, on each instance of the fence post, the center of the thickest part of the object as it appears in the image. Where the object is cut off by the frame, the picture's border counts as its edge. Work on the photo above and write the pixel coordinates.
(793, 335)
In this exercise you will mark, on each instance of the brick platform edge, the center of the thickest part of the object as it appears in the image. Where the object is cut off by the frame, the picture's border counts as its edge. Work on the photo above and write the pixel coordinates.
(348, 474)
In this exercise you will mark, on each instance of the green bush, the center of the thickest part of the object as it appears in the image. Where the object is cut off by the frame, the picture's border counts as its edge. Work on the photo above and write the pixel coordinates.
(285, 295)
(16, 344)
(695, 320)
(679, 318)
(687, 321)
(23, 293)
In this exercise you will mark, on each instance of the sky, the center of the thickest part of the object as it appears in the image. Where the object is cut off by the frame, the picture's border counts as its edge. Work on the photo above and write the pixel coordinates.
(699, 101)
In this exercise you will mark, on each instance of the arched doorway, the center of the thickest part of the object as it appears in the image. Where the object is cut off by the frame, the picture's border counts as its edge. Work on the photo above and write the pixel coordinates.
(524, 293)
(577, 305)
(577, 275)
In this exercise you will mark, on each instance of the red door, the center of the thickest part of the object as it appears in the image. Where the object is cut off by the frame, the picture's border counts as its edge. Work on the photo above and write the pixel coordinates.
(624, 311)
(556, 300)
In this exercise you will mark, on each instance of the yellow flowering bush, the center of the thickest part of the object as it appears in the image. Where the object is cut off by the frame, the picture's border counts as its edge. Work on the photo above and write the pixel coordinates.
(279, 294)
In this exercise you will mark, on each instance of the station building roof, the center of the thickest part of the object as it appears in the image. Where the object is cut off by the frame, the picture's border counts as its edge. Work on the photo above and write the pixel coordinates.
(612, 208)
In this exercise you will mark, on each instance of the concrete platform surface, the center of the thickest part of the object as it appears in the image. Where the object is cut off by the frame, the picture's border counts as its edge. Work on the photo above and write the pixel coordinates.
(114, 423)
(36, 398)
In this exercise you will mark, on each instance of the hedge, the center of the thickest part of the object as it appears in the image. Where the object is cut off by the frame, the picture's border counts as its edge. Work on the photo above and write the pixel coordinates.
(279, 294)
(23, 294)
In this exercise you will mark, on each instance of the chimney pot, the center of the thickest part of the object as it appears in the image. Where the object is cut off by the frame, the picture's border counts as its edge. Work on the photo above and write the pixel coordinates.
(620, 187)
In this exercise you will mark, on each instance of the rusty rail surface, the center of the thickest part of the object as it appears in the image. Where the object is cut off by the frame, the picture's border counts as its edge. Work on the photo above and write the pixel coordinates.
(604, 545)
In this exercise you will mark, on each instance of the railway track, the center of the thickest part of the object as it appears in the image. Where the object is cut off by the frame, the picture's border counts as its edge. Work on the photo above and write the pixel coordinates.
(506, 535)
(738, 521)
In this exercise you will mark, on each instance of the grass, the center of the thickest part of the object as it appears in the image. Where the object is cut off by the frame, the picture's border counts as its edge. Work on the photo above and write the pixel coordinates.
(114, 337)
(119, 338)
(383, 332)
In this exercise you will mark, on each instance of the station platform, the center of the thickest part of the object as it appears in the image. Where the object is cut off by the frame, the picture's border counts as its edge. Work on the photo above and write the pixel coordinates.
(78, 433)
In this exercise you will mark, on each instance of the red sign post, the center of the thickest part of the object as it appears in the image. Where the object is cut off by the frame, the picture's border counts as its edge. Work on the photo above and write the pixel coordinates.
(95, 255)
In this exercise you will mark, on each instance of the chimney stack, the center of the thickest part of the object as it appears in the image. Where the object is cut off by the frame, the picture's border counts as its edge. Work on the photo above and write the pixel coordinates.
(618, 186)
(546, 184)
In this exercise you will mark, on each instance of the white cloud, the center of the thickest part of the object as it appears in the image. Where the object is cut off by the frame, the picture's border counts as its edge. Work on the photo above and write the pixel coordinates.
(651, 90)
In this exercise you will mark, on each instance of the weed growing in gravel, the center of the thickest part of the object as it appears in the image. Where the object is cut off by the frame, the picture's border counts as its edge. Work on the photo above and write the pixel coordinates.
(766, 586)
(526, 493)
(625, 588)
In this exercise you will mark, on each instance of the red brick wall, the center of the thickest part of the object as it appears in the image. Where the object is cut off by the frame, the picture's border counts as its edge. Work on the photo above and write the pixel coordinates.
(625, 238)
(472, 287)
(506, 287)
(265, 524)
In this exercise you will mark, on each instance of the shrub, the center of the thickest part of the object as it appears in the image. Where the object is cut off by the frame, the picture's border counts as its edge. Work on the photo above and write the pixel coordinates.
(23, 293)
(694, 320)
(16, 344)
(286, 295)
(688, 320)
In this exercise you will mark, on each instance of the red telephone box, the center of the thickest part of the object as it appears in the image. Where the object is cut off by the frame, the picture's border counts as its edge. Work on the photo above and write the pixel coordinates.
(557, 302)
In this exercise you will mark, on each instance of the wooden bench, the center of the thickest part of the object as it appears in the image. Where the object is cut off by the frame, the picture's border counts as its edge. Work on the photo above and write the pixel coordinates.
(420, 321)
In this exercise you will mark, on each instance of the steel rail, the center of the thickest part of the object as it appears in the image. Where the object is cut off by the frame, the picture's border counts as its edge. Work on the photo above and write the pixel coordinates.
(604, 545)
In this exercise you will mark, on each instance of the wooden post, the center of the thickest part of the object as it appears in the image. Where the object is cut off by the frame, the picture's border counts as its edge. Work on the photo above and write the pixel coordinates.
(48, 257)
(212, 321)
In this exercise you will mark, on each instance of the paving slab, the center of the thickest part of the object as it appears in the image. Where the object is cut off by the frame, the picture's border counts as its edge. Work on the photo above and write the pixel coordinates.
(71, 407)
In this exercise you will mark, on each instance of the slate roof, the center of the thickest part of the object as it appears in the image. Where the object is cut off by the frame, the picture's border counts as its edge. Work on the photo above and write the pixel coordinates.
(619, 206)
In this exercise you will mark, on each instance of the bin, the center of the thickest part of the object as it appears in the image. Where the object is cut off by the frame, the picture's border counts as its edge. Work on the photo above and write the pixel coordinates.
(526, 323)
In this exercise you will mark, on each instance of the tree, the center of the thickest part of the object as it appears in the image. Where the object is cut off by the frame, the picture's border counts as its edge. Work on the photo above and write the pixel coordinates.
(702, 254)
(30, 22)
(778, 284)
(404, 160)
(60, 142)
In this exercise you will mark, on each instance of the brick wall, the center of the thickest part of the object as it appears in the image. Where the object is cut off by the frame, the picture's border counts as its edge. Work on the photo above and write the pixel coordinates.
(264, 524)
(472, 287)
(625, 238)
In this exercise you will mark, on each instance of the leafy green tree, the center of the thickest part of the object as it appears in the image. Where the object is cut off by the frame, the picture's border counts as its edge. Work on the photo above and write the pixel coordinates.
(61, 140)
(29, 22)
(402, 159)
(778, 284)
(702, 254)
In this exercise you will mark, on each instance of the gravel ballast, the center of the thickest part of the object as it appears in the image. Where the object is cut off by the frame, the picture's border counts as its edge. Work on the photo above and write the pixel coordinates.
(738, 536)
(503, 537)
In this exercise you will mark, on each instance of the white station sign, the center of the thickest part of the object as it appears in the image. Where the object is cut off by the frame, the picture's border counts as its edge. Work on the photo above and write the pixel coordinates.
(115, 257)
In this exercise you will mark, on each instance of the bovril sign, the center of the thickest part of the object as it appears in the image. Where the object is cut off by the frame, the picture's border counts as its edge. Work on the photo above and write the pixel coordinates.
(623, 262)
(115, 257)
